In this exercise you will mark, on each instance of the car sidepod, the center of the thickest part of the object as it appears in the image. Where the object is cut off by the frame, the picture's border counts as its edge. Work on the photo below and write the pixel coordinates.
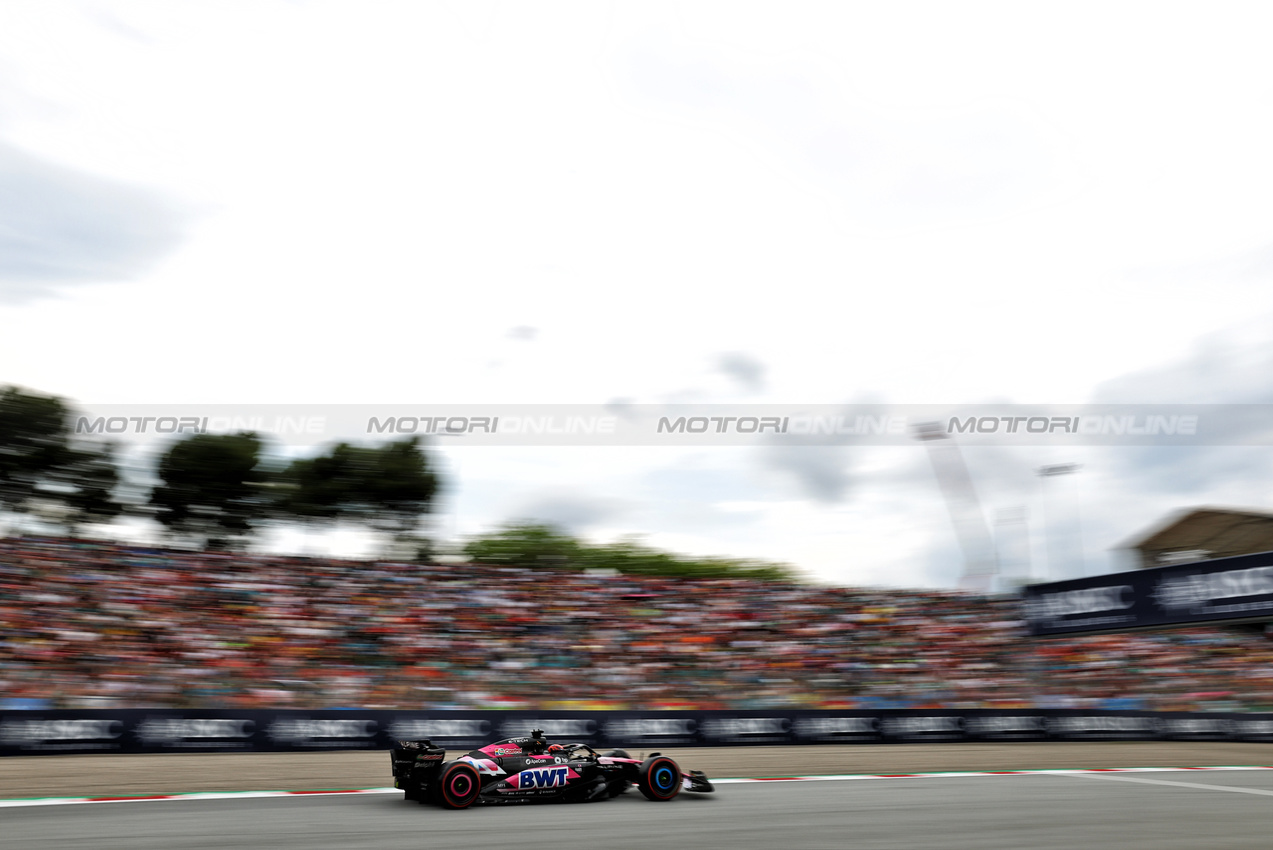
(544, 779)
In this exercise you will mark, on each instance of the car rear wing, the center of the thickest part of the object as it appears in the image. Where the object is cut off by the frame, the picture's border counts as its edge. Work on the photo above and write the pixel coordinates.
(407, 756)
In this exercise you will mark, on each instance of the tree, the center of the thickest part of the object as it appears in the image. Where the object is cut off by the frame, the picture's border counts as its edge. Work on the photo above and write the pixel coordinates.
(42, 465)
(535, 545)
(527, 544)
(387, 488)
(400, 487)
(34, 440)
(85, 486)
(317, 489)
(632, 558)
(213, 487)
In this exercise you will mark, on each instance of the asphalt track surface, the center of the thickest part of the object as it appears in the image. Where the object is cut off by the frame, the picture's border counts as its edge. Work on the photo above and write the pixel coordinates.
(1161, 810)
(168, 773)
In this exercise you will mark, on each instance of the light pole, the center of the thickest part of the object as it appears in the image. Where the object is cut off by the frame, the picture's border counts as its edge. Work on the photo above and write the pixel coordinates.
(1012, 547)
(1056, 470)
(980, 567)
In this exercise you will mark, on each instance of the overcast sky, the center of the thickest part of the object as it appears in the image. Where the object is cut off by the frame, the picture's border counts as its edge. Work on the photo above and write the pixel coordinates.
(285, 202)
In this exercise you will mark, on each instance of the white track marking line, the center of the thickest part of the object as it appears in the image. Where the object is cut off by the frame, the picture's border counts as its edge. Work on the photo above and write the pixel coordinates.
(954, 774)
(1095, 773)
(1195, 785)
(195, 796)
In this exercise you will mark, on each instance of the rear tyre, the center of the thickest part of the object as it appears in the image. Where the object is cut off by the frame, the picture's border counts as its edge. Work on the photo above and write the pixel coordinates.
(458, 786)
(412, 792)
(660, 779)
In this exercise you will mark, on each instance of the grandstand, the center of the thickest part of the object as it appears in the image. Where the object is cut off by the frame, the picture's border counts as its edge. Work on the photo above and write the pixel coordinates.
(1205, 533)
(92, 624)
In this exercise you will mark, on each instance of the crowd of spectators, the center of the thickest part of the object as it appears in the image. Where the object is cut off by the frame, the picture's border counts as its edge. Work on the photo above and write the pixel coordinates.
(92, 624)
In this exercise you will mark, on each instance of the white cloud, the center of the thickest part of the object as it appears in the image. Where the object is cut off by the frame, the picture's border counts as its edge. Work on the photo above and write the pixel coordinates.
(60, 227)
(916, 204)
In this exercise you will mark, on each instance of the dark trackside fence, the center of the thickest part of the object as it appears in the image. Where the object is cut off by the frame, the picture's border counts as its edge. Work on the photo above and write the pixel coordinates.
(70, 731)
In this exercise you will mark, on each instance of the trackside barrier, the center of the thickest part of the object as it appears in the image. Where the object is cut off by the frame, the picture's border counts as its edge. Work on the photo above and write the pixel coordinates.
(167, 730)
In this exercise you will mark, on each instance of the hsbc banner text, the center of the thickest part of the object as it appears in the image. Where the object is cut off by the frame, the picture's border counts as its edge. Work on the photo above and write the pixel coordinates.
(162, 730)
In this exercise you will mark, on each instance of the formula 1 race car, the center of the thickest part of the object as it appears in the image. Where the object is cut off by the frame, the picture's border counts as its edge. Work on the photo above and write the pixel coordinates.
(530, 769)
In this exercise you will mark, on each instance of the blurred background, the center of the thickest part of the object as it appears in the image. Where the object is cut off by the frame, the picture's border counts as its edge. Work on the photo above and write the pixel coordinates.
(213, 615)
(617, 204)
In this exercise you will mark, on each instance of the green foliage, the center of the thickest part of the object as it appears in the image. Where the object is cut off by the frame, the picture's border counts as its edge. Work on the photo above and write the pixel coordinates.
(318, 489)
(527, 545)
(213, 487)
(400, 486)
(386, 487)
(535, 545)
(34, 441)
(632, 558)
(42, 463)
(86, 485)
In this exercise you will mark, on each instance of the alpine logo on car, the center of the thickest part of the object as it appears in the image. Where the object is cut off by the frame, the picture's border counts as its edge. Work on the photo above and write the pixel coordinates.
(484, 766)
(542, 777)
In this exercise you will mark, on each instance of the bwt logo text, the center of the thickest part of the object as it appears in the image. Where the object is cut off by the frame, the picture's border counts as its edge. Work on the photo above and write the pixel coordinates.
(552, 777)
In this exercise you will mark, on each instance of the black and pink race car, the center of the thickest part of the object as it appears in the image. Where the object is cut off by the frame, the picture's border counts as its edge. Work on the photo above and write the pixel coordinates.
(518, 770)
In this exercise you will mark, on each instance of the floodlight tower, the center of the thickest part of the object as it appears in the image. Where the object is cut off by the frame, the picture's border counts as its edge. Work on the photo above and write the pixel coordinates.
(1050, 542)
(980, 563)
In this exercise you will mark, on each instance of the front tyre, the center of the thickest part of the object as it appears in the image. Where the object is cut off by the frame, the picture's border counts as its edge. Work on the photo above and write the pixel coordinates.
(458, 786)
(660, 779)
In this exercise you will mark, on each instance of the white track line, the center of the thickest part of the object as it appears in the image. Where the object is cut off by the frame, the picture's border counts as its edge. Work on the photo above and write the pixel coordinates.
(195, 796)
(1195, 785)
(960, 774)
(1095, 773)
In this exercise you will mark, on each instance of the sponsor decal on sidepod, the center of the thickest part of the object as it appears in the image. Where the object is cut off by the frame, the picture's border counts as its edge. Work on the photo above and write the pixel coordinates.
(542, 777)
